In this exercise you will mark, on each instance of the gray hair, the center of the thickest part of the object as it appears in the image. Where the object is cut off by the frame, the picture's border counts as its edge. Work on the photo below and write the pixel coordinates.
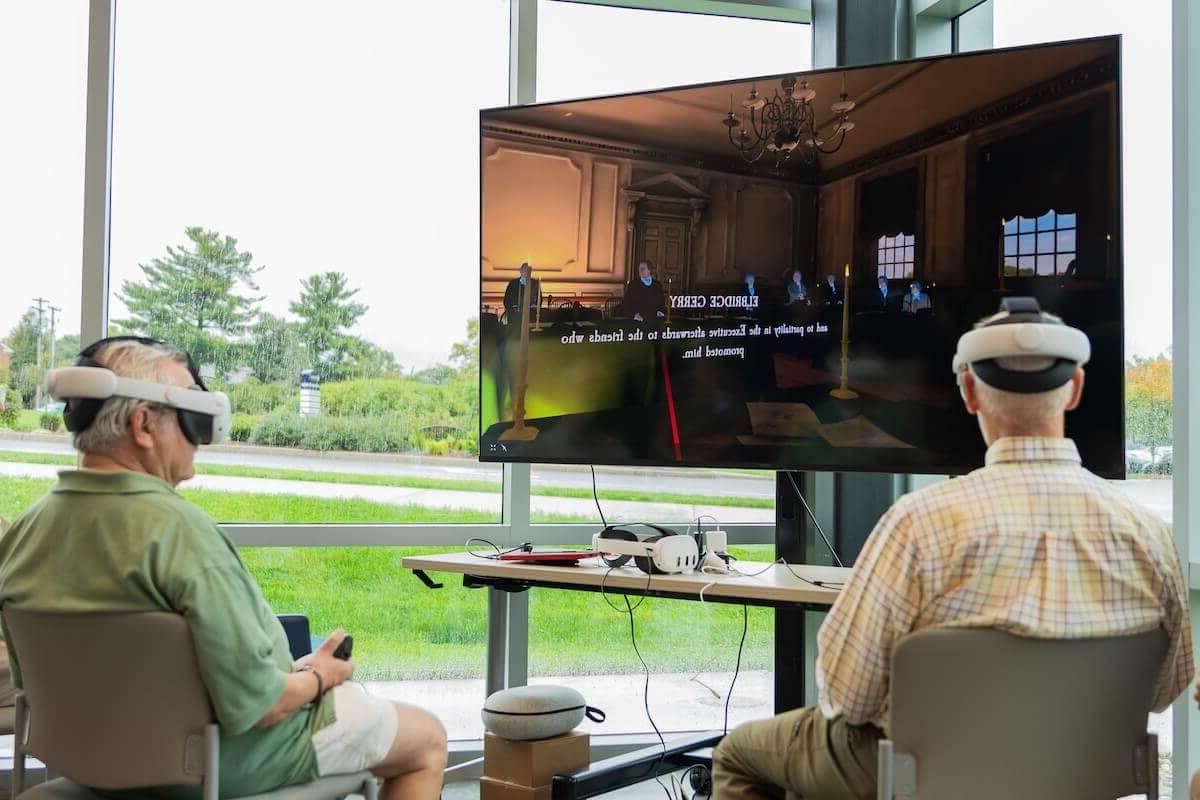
(128, 359)
(1023, 411)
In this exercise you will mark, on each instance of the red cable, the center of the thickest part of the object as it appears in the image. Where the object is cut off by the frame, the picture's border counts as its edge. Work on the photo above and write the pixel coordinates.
(671, 407)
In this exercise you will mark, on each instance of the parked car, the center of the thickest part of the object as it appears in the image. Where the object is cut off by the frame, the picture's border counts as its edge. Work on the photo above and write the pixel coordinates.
(1138, 460)
(52, 408)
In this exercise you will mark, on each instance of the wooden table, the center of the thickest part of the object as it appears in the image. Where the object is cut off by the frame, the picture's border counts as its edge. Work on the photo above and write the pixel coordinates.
(759, 584)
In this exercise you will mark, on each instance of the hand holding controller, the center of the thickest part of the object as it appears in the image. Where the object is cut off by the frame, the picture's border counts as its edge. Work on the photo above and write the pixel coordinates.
(344, 649)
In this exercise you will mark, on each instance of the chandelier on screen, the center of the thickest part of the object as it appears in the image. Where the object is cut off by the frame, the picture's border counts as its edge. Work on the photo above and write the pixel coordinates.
(785, 126)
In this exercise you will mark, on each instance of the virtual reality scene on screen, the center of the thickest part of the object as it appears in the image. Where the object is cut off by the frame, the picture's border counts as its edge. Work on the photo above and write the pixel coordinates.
(775, 272)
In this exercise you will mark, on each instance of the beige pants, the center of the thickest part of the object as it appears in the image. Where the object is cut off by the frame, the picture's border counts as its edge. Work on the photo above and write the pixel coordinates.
(798, 751)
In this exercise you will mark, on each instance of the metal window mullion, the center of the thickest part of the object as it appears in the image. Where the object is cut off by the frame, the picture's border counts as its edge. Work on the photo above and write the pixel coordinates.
(97, 171)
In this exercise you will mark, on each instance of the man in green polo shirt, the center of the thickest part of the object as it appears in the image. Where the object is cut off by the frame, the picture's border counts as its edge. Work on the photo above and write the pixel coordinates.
(115, 536)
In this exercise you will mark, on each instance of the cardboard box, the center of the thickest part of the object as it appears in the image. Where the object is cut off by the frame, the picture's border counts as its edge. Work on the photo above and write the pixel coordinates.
(491, 789)
(534, 764)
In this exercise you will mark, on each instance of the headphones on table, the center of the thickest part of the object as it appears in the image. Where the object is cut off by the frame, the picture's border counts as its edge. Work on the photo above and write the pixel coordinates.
(1021, 328)
(204, 416)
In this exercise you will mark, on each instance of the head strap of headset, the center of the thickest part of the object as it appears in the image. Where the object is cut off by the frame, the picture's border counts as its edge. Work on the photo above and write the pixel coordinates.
(1021, 328)
(204, 416)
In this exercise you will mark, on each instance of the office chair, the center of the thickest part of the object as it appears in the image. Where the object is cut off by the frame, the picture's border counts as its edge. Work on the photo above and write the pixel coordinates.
(980, 713)
(116, 701)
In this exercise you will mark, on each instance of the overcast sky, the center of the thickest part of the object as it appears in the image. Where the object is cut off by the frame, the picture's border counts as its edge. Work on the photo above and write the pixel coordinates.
(343, 136)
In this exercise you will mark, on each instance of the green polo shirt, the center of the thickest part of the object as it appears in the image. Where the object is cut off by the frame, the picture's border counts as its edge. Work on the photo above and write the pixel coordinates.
(125, 541)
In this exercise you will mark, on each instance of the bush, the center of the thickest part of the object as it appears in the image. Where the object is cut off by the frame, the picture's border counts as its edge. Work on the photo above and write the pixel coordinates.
(241, 426)
(455, 403)
(436, 448)
(51, 421)
(379, 434)
(252, 396)
(11, 414)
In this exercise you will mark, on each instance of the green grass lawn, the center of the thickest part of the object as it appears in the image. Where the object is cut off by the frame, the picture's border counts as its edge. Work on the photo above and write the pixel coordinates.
(403, 630)
(417, 482)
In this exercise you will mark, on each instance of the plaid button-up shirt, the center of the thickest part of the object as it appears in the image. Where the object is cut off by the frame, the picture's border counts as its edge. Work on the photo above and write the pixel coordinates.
(1032, 544)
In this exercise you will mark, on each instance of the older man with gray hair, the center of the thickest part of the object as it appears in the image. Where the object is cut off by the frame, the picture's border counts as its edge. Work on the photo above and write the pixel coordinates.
(115, 536)
(1032, 543)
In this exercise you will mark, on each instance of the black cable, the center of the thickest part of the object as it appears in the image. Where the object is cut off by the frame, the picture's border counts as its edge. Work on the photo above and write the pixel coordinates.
(646, 699)
(737, 667)
(493, 556)
(813, 516)
(596, 497)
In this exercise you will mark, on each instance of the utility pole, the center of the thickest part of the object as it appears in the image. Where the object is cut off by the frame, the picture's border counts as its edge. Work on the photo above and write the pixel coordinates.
(41, 309)
(54, 312)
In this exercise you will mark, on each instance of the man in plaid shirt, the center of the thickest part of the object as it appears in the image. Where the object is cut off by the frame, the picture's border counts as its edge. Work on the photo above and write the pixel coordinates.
(1032, 544)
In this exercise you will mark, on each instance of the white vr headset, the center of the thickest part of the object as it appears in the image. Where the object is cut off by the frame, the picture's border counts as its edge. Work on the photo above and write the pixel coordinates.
(1021, 328)
(204, 416)
(662, 554)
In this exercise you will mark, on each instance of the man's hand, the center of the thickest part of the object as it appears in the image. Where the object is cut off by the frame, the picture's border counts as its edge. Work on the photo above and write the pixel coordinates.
(661, 314)
(637, 317)
(333, 671)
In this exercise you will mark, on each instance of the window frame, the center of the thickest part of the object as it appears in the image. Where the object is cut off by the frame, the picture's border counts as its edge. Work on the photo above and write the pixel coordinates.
(514, 525)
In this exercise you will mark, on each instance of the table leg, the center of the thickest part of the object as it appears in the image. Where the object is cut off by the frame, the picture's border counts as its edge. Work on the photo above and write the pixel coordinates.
(507, 640)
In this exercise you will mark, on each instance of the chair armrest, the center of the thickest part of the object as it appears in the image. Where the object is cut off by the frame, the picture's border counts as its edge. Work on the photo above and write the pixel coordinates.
(298, 634)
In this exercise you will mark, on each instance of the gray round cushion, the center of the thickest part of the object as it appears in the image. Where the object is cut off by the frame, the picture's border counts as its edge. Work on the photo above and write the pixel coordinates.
(536, 712)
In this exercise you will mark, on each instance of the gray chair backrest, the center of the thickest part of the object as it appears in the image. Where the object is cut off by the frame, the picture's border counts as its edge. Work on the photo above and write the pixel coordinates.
(990, 715)
(116, 701)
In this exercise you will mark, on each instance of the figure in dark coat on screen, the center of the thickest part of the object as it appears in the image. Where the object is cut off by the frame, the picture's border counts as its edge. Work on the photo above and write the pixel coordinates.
(645, 299)
(514, 290)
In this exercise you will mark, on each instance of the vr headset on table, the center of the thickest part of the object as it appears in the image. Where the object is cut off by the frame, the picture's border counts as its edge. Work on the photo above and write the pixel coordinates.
(204, 416)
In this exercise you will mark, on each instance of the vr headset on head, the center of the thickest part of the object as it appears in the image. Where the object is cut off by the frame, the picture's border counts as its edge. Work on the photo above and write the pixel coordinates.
(1021, 328)
(204, 416)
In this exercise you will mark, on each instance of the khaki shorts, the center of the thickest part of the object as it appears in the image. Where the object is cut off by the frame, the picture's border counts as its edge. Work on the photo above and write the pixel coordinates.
(361, 734)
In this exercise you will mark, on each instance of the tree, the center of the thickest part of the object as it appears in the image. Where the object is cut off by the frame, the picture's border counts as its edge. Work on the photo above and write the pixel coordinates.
(438, 374)
(191, 298)
(1148, 402)
(275, 353)
(327, 313)
(66, 350)
(23, 341)
(465, 355)
(370, 361)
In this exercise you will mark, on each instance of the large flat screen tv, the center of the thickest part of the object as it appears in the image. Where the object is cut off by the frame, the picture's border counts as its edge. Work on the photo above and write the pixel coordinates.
(875, 236)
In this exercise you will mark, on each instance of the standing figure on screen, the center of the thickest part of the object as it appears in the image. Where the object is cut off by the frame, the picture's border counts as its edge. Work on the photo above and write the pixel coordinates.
(796, 290)
(514, 290)
(1009, 546)
(645, 298)
(916, 299)
(750, 290)
(882, 297)
(831, 293)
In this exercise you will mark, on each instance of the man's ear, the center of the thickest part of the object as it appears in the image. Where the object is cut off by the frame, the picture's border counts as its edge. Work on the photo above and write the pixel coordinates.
(142, 427)
(966, 384)
(1076, 389)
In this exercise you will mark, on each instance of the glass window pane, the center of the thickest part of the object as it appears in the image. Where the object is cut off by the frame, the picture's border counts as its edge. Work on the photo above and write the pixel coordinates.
(909, 254)
(291, 186)
(654, 494)
(975, 28)
(1063, 261)
(1010, 245)
(1046, 221)
(883, 240)
(1010, 226)
(1025, 265)
(1027, 224)
(1066, 241)
(908, 240)
(1027, 243)
(575, 49)
(1045, 265)
(1045, 242)
(1066, 220)
(43, 79)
